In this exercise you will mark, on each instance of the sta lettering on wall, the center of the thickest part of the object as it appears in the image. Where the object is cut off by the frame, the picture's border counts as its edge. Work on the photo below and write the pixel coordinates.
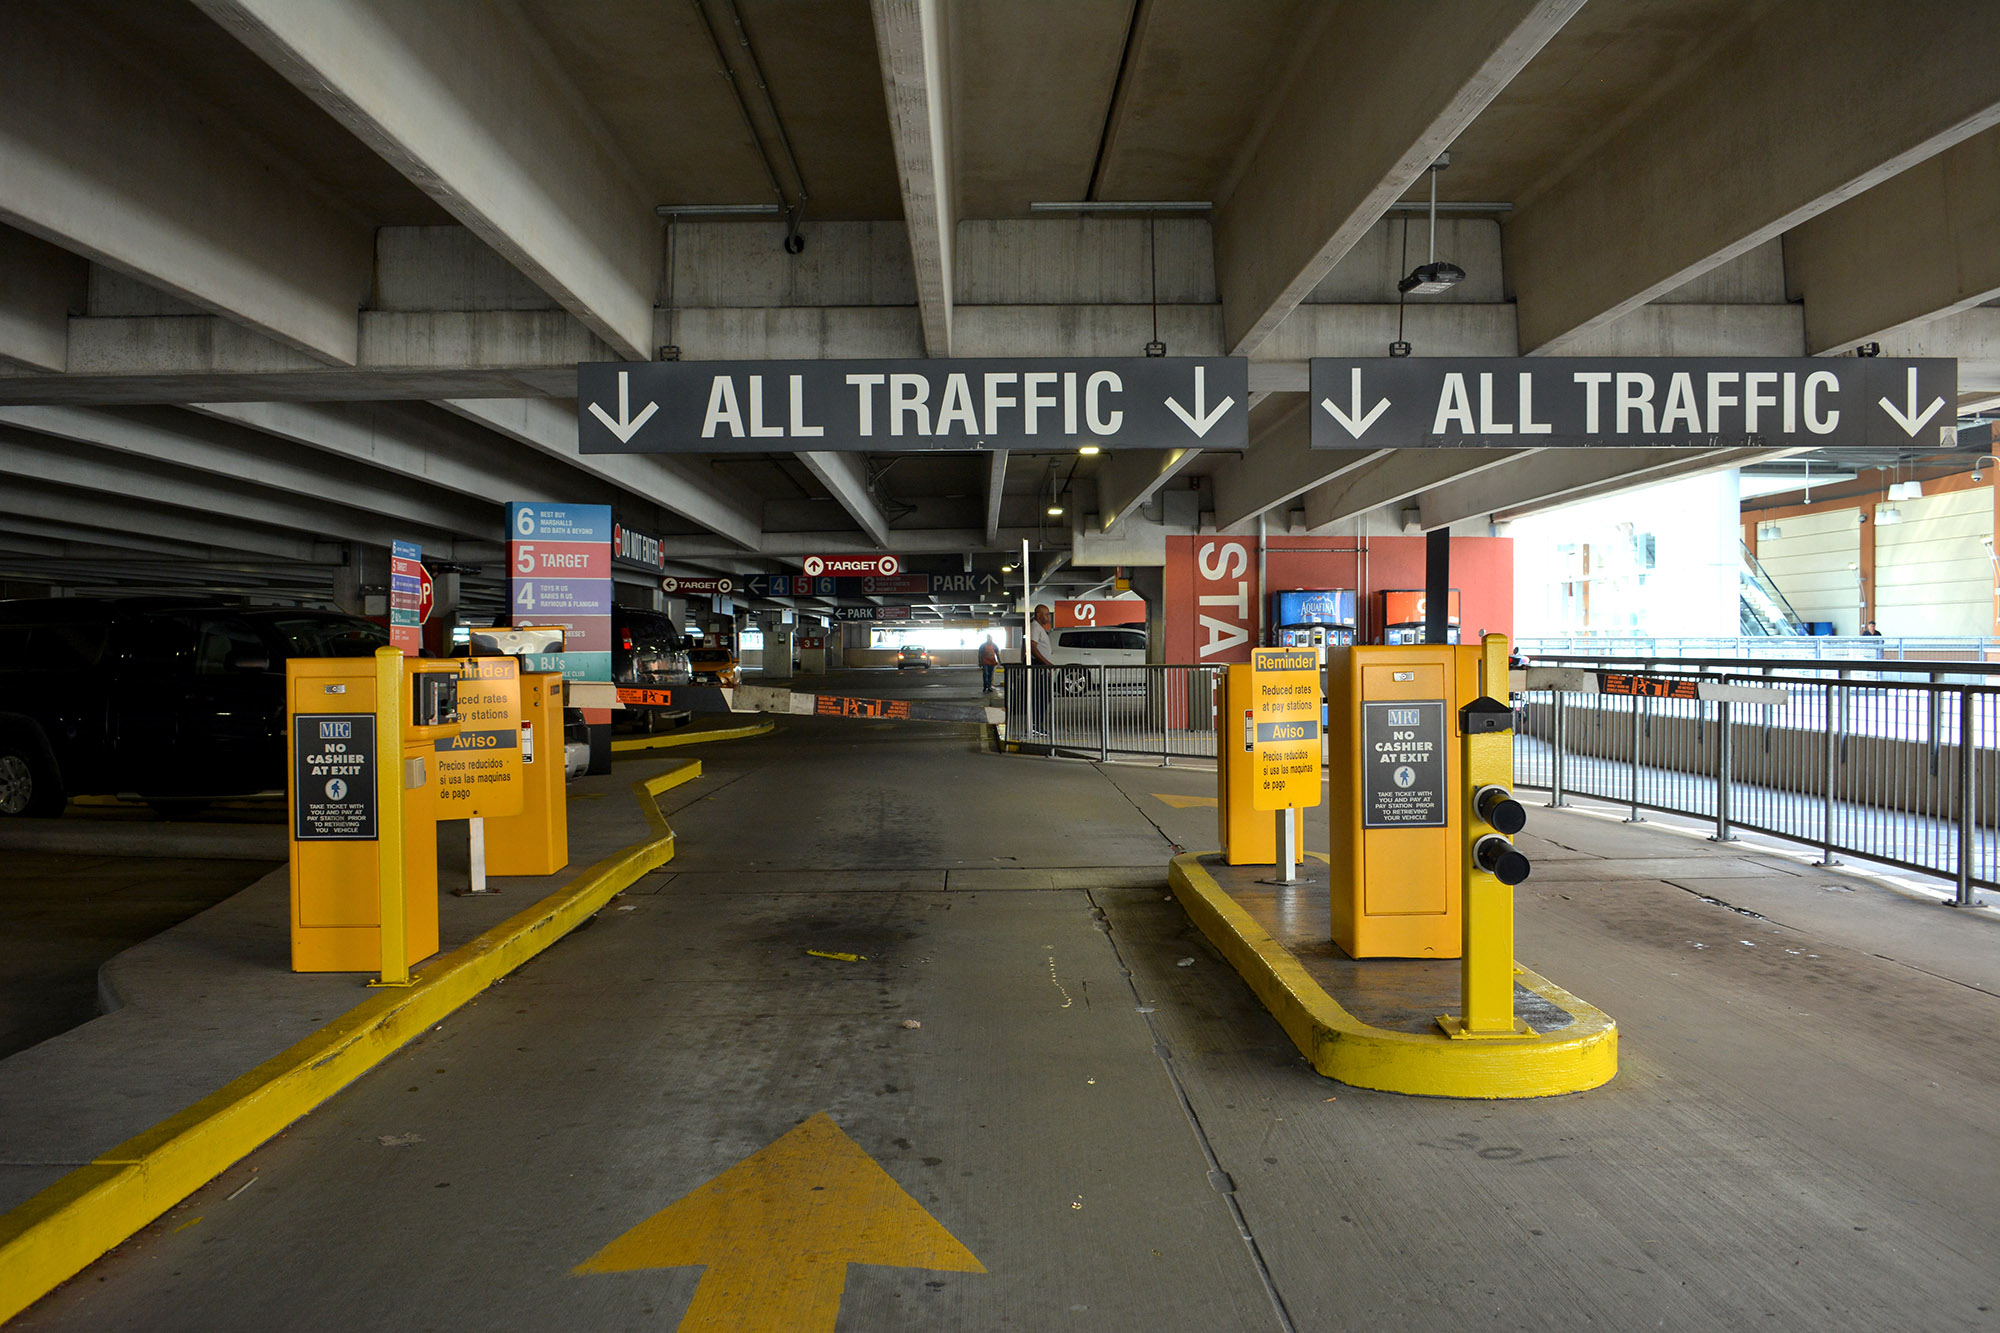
(1211, 599)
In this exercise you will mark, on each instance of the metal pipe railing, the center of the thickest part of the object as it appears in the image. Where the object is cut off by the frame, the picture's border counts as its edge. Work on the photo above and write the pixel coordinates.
(1901, 772)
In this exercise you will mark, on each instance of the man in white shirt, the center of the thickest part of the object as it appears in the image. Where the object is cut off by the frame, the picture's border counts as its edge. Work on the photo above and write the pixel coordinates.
(1041, 699)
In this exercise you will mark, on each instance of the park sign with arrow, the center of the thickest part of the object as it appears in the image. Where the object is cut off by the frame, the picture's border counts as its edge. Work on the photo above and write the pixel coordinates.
(912, 406)
(1632, 402)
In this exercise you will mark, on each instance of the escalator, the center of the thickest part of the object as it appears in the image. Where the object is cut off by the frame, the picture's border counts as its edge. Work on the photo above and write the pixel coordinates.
(1763, 609)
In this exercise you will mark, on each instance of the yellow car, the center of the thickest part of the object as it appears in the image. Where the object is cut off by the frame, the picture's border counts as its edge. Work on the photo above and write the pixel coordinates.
(713, 666)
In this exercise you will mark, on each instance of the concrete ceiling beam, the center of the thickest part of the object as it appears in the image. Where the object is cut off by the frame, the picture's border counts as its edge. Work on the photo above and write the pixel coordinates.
(84, 511)
(846, 477)
(1334, 153)
(37, 458)
(1279, 464)
(109, 536)
(996, 491)
(194, 444)
(465, 101)
(910, 37)
(113, 161)
(1127, 478)
(921, 541)
(1972, 336)
(1401, 475)
(1552, 477)
(415, 449)
(1920, 245)
(40, 284)
(678, 485)
(1745, 147)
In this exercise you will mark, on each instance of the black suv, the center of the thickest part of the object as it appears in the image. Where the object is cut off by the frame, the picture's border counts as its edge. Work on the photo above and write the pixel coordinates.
(177, 701)
(648, 653)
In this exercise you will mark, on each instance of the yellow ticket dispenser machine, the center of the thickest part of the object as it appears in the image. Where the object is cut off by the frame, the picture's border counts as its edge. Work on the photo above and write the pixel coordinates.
(360, 736)
(535, 841)
(1249, 835)
(1395, 780)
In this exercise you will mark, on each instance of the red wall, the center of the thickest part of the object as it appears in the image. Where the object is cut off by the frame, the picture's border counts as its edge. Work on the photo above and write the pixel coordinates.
(1212, 598)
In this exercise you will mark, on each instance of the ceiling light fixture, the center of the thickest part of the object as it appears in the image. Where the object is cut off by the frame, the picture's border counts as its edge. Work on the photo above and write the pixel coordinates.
(720, 210)
(1055, 511)
(1431, 278)
(1888, 514)
(1125, 206)
(1091, 451)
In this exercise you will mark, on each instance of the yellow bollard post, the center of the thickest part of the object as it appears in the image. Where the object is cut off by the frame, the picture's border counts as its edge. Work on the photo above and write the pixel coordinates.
(1490, 865)
(389, 780)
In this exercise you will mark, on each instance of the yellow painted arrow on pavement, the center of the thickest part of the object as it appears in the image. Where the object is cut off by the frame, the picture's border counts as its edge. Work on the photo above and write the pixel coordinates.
(1183, 802)
(777, 1231)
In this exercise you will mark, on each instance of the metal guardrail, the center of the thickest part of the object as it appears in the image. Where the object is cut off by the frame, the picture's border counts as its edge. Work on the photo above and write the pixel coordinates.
(1790, 649)
(1898, 766)
(1114, 712)
(1901, 772)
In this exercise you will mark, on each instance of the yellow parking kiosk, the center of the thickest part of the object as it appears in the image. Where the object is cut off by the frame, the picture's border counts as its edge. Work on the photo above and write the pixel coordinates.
(1396, 785)
(1248, 832)
(364, 809)
(535, 841)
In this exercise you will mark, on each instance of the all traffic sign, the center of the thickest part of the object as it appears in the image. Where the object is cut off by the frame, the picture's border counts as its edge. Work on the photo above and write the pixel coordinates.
(910, 405)
(1652, 402)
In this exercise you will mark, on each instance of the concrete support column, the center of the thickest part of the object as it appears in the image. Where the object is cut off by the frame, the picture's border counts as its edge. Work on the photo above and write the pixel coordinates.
(361, 586)
(446, 591)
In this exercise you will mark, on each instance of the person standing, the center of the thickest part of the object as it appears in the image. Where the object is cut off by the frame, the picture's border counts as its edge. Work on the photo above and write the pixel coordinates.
(1868, 631)
(1041, 698)
(989, 658)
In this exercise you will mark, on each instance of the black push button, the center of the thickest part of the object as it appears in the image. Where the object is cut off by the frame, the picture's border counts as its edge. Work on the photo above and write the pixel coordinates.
(1497, 857)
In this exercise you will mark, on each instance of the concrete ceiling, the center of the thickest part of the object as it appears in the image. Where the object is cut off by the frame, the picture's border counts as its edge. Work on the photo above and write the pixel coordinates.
(282, 278)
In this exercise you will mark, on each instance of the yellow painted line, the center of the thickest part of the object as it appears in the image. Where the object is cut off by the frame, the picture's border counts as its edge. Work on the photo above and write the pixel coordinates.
(61, 1231)
(776, 1232)
(1339, 1045)
(1184, 802)
(636, 744)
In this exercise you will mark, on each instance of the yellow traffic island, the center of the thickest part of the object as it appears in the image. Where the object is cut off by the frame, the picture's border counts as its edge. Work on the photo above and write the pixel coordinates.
(1375, 1023)
(61, 1231)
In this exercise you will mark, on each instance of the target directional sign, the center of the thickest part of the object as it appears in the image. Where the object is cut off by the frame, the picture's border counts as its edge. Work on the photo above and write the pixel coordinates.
(1627, 402)
(913, 405)
(851, 566)
(673, 584)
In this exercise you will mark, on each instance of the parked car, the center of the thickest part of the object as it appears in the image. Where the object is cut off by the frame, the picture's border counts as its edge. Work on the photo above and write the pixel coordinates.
(178, 701)
(1094, 646)
(913, 655)
(648, 652)
(576, 744)
(714, 666)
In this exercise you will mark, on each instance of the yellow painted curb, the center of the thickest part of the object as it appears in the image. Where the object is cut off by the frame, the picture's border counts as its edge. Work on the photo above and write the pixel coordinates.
(1339, 1045)
(61, 1231)
(635, 744)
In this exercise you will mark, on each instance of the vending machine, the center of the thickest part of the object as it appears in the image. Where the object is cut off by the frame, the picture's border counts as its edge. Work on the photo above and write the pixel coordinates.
(1402, 616)
(1312, 618)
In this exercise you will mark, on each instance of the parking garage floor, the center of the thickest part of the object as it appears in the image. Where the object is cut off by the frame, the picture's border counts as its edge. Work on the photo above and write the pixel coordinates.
(903, 1001)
